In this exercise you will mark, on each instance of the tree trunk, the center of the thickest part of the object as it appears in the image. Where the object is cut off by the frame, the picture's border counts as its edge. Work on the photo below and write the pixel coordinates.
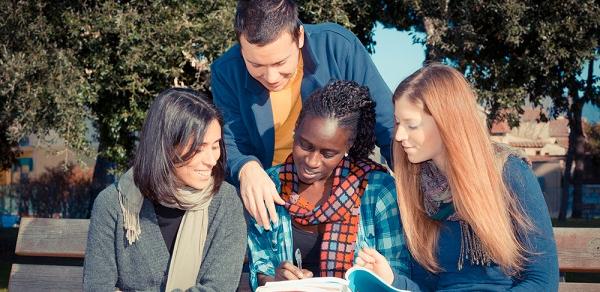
(566, 181)
(101, 177)
(580, 144)
(579, 152)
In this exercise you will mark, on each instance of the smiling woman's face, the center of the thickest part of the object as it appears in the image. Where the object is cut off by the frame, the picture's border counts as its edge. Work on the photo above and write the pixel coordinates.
(197, 171)
(417, 132)
(319, 146)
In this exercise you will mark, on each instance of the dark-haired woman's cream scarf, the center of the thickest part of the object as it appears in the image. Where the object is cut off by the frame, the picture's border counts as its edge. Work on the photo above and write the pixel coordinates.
(437, 201)
(191, 236)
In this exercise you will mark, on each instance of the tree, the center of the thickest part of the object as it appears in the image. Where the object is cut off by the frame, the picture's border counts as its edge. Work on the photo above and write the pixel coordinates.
(65, 63)
(69, 62)
(41, 88)
(592, 149)
(592, 132)
(358, 16)
(57, 192)
(130, 52)
(513, 52)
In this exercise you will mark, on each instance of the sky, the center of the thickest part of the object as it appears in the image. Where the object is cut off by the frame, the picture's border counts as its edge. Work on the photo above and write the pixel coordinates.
(396, 57)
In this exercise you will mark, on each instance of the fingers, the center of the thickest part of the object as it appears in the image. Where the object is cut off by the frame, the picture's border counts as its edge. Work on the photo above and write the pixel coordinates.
(366, 257)
(271, 206)
(374, 254)
(371, 259)
(307, 273)
(277, 198)
(360, 262)
(263, 198)
(364, 260)
(258, 195)
(256, 208)
(262, 213)
(248, 196)
(287, 271)
(250, 204)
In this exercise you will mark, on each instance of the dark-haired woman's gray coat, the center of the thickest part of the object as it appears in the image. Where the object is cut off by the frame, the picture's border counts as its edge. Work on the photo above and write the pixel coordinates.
(111, 263)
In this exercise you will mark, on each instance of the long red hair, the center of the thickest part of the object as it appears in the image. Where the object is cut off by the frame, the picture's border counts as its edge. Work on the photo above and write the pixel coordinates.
(474, 173)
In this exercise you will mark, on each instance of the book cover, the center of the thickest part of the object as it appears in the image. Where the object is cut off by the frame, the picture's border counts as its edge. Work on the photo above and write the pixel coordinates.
(358, 279)
(363, 280)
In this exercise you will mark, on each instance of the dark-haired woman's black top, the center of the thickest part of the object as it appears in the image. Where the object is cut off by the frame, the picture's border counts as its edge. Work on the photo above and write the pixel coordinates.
(169, 220)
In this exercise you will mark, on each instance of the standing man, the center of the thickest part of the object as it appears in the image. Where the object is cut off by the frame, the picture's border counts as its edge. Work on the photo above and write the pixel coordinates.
(259, 85)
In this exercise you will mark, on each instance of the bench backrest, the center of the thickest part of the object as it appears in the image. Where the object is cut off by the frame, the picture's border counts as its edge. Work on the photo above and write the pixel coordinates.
(578, 251)
(56, 238)
(53, 238)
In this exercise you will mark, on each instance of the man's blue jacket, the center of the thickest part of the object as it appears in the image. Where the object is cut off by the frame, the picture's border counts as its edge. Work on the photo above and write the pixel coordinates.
(330, 52)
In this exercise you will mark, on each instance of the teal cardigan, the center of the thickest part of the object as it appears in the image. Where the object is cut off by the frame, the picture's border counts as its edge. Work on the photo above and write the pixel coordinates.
(330, 52)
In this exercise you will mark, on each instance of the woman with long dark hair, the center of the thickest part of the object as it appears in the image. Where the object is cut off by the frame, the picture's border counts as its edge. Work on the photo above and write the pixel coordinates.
(171, 221)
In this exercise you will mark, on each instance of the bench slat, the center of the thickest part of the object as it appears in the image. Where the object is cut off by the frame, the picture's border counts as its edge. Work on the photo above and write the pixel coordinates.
(579, 287)
(52, 238)
(578, 249)
(45, 278)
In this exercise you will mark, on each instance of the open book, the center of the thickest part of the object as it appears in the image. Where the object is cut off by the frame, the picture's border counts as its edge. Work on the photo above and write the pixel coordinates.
(357, 279)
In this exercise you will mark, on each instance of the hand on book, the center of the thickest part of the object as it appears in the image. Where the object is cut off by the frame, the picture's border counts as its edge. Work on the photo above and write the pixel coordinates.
(372, 260)
(287, 271)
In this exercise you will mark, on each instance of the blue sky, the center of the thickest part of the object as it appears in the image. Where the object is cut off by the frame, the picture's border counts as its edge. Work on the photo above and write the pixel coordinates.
(396, 57)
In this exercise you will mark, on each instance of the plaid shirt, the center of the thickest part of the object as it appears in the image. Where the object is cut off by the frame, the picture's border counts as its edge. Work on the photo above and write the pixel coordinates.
(379, 228)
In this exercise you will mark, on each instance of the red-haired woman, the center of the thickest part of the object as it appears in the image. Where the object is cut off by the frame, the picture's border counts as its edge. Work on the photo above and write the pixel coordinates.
(473, 214)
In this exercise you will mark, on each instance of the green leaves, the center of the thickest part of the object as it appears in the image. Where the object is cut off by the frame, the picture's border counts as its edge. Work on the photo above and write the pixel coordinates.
(136, 50)
(101, 62)
(67, 66)
(512, 51)
(41, 90)
(358, 16)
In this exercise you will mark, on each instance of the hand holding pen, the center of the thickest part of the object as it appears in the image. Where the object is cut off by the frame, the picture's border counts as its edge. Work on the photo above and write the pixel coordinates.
(287, 270)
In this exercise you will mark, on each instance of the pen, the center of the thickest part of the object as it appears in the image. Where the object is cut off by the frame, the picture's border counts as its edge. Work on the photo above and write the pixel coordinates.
(298, 256)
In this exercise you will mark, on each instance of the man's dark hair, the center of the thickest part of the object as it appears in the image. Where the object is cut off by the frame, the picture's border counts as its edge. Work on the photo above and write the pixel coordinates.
(352, 107)
(262, 21)
(177, 117)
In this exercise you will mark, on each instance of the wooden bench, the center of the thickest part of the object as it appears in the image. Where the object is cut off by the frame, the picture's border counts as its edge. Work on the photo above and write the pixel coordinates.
(60, 242)
(58, 239)
(579, 252)
(65, 240)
